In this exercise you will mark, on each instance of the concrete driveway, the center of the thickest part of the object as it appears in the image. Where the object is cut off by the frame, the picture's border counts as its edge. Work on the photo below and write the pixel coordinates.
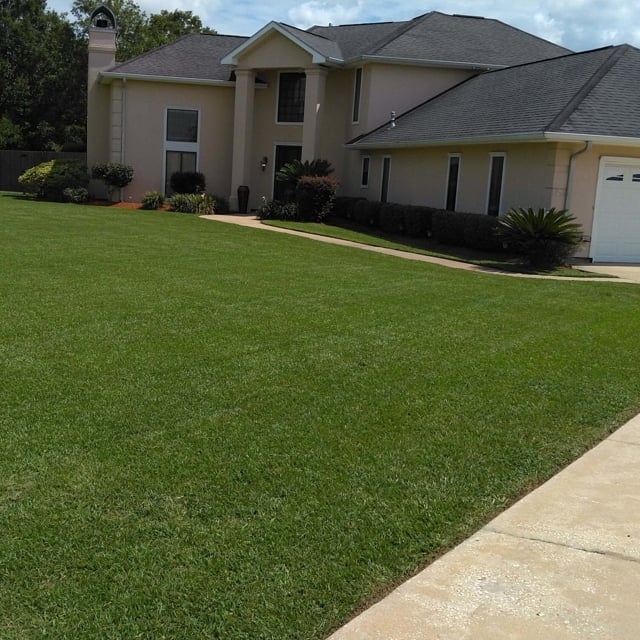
(625, 271)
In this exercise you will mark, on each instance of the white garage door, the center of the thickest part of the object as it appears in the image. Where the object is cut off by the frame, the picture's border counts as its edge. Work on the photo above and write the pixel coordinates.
(616, 223)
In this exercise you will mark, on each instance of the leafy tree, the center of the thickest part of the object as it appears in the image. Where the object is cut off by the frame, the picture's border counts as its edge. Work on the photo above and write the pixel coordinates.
(43, 66)
(137, 32)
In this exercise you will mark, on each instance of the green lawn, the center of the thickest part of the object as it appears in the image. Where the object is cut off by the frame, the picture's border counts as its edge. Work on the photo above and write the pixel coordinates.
(423, 246)
(215, 432)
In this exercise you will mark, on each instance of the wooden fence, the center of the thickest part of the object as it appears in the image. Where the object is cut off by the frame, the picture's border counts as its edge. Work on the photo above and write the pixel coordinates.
(15, 163)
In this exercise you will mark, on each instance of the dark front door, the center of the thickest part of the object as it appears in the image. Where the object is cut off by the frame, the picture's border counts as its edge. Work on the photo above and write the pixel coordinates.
(284, 154)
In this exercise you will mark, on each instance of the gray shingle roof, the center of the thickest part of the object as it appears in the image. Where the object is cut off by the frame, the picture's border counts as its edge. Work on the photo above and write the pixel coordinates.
(442, 37)
(591, 93)
(323, 45)
(192, 56)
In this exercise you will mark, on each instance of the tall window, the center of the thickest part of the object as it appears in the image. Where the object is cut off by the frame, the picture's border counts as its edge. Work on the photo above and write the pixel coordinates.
(386, 170)
(496, 178)
(291, 97)
(357, 90)
(364, 177)
(452, 182)
(181, 143)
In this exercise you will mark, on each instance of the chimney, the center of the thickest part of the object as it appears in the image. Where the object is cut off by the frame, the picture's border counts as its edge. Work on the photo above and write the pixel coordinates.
(102, 56)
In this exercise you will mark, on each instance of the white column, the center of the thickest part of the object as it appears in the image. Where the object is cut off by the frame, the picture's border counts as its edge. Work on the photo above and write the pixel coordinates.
(242, 133)
(313, 112)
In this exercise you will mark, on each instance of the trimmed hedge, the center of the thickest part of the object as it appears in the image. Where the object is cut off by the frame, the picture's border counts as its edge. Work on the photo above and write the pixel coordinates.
(367, 212)
(49, 180)
(315, 196)
(472, 230)
(343, 206)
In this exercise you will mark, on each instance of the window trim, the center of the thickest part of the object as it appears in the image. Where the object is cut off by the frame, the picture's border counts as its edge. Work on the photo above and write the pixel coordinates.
(450, 157)
(185, 147)
(492, 156)
(385, 179)
(363, 184)
(288, 122)
(357, 95)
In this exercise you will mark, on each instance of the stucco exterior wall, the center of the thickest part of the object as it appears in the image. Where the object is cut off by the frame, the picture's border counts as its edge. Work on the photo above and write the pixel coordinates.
(274, 51)
(391, 87)
(144, 133)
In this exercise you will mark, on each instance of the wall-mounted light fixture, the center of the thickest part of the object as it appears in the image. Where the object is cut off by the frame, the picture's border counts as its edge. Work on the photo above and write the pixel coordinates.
(264, 162)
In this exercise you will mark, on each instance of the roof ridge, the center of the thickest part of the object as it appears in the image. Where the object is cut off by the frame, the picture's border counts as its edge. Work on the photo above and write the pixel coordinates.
(403, 27)
(307, 31)
(616, 53)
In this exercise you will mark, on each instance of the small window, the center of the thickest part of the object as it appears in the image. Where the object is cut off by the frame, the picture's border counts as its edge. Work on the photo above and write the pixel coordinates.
(635, 177)
(452, 182)
(386, 170)
(617, 178)
(291, 97)
(182, 125)
(364, 179)
(496, 178)
(357, 90)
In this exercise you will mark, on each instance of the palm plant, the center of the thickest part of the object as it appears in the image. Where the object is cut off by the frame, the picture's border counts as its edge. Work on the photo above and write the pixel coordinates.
(296, 169)
(546, 237)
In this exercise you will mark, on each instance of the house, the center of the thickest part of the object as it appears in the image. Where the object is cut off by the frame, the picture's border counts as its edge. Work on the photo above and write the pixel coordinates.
(450, 111)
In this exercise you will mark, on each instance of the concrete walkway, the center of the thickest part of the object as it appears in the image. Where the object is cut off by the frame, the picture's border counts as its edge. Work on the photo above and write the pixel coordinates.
(628, 275)
(561, 564)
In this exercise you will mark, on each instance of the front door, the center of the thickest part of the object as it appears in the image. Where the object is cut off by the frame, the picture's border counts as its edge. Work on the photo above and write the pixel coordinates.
(284, 154)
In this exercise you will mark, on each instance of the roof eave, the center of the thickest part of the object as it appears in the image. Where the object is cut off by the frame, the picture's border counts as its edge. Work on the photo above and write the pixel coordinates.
(107, 77)
(535, 136)
(423, 62)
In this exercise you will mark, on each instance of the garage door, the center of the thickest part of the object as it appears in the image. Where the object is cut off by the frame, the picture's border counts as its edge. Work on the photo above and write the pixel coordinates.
(616, 223)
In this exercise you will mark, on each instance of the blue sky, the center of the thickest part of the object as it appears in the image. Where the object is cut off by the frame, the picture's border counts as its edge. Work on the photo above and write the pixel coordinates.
(576, 24)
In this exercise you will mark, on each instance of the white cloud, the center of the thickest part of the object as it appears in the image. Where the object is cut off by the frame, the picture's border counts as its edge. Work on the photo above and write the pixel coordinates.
(325, 12)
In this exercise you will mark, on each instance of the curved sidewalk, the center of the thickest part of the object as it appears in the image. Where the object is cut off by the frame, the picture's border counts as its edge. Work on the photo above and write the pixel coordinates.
(249, 220)
(561, 564)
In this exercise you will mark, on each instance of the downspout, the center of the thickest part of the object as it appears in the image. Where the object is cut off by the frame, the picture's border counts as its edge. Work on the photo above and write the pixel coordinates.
(567, 195)
(123, 123)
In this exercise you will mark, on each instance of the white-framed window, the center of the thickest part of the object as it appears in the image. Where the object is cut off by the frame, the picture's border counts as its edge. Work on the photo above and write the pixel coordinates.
(291, 90)
(497, 166)
(386, 173)
(181, 142)
(364, 172)
(453, 177)
(357, 92)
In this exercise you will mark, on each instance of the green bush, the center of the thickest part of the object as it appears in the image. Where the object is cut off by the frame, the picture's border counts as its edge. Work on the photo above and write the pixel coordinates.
(392, 218)
(274, 210)
(418, 221)
(77, 195)
(315, 196)
(48, 180)
(200, 204)
(367, 212)
(187, 182)
(480, 232)
(343, 206)
(152, 200)
(114, 174)
(546, 238)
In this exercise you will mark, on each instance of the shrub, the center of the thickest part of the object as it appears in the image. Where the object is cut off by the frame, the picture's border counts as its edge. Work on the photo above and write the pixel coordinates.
(546, 237)
(201, 204)
(392, 218)
(114, 174)
(291, 173)
(152, 200)
(418, 221)
(187, 182)
(367, 212)
(343, 206)
(315, 196)
(77, 195)
(222, 204)
(48, 180)
(480, 232)
(448, 227)
(274, 210)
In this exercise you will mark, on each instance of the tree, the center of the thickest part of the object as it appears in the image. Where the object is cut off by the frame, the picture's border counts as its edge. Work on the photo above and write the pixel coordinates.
(137, 32)
(43, 66)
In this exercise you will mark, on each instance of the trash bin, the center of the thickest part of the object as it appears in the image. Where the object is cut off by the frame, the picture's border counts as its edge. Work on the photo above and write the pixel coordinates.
(243, 198)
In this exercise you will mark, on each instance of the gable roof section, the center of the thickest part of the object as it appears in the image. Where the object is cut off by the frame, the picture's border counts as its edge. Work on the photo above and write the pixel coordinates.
(321, 49)
(194, 56)
(595, 93)
(438, 37)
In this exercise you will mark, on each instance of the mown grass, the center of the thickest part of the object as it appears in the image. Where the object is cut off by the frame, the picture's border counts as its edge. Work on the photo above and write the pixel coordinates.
(424, 246)
(212, 431)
